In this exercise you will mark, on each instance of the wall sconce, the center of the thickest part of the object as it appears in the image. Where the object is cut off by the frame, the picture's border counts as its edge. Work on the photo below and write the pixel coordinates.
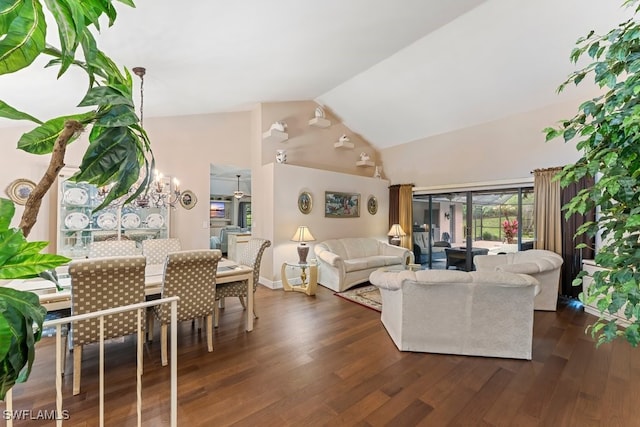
(447, 215)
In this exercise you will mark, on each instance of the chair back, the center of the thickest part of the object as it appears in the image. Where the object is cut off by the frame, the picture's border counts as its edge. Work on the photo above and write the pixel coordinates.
(252, 256)
(101, 283)
(191, 276)
(156, 250)
(111, 248)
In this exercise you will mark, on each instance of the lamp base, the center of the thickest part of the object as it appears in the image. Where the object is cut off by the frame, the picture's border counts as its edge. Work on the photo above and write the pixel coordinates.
(303, 251)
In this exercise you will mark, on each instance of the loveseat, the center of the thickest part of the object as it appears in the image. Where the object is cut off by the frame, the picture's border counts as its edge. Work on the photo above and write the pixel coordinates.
(346, 262)
(456, 312)
(541, 264)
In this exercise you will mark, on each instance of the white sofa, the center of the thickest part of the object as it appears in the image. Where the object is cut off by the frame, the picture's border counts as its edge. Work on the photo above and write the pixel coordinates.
(344, 263)
(456, 312)
(541, 264)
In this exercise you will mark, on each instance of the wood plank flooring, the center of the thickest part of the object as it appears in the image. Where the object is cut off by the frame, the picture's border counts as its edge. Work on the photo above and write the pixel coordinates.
(322, 360)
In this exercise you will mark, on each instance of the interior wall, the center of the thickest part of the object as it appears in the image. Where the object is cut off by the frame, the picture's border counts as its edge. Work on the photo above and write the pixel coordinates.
(504, 149)
(184, 147)
(310, 146)
(289, 181)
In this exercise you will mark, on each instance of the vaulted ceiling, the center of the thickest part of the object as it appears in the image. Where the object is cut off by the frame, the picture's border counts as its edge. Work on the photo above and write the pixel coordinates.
(393, 71)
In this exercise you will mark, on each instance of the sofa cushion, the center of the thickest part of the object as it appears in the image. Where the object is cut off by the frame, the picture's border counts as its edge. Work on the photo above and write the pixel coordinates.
(356, 264)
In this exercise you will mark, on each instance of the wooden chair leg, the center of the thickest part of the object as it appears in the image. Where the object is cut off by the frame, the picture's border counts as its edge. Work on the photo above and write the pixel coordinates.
(163, 344)
(216, 315)
(63, 353)
(255, 314)
(210, 333)
(150, 325)
(77, 368)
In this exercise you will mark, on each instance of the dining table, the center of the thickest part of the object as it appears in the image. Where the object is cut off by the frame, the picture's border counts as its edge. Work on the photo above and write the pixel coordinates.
(53, 299)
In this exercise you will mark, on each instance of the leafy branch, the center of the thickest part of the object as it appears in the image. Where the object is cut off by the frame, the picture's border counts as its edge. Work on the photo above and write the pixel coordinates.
(607, 132)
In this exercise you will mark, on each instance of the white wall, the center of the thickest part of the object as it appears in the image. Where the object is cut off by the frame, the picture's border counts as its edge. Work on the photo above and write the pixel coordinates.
(289, 181)
(504, 149)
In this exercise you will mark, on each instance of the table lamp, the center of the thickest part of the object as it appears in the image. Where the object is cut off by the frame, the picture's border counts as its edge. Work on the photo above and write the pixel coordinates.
(303, 235)
(396, 232)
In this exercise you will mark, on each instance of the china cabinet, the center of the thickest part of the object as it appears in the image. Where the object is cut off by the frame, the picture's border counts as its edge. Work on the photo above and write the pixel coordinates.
(79, 224)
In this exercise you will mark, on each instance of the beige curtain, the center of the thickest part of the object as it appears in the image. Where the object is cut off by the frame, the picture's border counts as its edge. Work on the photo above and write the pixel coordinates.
(401, 211)
(405, 213)
(547, 214)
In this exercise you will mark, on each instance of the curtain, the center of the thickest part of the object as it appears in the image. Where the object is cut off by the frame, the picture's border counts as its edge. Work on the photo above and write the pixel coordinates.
(573, 257)
(547, 210)
(401, 211)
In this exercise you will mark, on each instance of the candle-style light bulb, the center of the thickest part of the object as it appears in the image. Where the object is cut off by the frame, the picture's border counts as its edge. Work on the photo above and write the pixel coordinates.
(176, 184)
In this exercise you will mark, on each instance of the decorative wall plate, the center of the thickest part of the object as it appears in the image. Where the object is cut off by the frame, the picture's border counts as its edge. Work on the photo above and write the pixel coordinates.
(76, 221)
(188, 199)
(19, 190)
(130, 220)
(154, 220)
(372, 205)
(107, 221)
(305, 202)
(76, 196)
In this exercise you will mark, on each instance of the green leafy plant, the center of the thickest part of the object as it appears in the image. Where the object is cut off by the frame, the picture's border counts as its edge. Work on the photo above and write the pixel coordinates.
(119, 148)
(607, 130)
(119, 152)
(19, 310)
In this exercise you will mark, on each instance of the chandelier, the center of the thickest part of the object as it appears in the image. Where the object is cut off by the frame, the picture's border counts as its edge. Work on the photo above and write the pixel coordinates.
(238, 194)
(159, 193)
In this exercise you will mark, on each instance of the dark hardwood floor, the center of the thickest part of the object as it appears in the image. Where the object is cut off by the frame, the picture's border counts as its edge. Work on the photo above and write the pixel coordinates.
(325, 361)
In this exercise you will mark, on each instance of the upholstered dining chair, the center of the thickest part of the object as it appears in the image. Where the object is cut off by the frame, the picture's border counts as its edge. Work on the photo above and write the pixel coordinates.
(189, 275)
(252, 257)
(156, 250)
(109, 248)
(98, 284)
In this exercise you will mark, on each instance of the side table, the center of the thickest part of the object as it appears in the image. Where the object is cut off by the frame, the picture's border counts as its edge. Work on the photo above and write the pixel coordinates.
(306, 282)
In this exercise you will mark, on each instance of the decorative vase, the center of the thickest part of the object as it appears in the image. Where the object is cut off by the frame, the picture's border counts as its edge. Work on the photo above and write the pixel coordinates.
(281, 156)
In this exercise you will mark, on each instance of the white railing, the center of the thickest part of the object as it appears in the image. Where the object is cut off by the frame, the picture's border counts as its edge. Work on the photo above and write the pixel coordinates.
(60, 415)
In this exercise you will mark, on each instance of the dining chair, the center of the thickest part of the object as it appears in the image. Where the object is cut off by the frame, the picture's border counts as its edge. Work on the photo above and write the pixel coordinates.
(98, 284)
(109, 248)
(189, 275)
(252, 257)
(156, 250)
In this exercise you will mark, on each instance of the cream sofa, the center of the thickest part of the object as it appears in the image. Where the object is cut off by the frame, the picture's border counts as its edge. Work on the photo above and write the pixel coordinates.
(346, 262)
(456, 312)
(541, 264)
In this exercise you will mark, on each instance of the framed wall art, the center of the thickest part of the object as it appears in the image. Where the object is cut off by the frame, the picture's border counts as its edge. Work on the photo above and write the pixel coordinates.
(19, 190)
(341, 205)
(305, 202)
(372, 205)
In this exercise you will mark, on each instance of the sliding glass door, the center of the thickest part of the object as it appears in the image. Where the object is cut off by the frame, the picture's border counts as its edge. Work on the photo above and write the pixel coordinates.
(451, 228)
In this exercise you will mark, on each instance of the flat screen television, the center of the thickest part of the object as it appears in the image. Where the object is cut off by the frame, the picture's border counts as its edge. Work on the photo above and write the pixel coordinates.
(217, 209)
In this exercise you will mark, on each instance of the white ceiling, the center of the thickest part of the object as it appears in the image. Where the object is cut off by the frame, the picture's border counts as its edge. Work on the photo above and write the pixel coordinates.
(393, 71)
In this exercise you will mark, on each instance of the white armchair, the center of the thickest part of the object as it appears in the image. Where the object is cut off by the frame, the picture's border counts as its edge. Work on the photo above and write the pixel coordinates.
(541, 264)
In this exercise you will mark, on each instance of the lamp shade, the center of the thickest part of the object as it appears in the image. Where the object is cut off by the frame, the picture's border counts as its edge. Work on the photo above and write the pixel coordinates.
(303, 235)
(396, 231)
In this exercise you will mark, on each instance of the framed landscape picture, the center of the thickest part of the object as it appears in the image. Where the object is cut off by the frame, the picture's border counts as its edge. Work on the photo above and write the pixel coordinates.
(341, 205)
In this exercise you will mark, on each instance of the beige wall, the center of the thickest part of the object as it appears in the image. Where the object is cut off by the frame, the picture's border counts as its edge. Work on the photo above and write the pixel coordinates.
(184, 147)
(505, 149)
(310, 146)
(288, 182)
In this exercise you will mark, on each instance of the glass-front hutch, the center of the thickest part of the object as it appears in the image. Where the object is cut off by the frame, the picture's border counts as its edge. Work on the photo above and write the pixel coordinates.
(79, 225)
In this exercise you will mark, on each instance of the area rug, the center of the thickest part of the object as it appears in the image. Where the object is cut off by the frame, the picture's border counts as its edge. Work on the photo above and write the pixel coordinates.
(368, 296)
